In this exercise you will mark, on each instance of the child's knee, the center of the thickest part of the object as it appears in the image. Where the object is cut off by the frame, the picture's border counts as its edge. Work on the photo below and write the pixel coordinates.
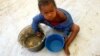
(76, 27)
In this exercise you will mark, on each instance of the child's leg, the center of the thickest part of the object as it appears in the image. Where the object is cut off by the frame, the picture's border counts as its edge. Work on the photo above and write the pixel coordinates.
(74, 30)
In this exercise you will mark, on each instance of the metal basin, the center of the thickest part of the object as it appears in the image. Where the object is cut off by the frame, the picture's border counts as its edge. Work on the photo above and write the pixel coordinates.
(28, 39)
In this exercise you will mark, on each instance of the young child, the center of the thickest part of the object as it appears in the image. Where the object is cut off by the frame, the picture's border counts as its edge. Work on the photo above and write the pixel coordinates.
(56, 18)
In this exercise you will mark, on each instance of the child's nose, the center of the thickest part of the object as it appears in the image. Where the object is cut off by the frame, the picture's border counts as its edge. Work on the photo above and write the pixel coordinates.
(49, 15)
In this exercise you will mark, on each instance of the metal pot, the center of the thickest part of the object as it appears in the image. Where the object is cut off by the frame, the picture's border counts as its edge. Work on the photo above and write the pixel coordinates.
(26, 33)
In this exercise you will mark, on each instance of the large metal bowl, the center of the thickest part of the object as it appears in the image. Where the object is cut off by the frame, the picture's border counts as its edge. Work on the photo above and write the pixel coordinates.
(28, 39)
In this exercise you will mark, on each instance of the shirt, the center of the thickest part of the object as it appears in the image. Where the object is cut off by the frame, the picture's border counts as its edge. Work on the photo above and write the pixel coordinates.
(64, 26)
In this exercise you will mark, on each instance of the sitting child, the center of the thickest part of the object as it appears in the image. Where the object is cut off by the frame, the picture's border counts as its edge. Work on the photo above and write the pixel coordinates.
(56, 18)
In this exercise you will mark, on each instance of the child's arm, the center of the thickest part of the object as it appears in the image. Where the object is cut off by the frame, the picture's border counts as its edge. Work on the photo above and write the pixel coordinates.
(35, 24)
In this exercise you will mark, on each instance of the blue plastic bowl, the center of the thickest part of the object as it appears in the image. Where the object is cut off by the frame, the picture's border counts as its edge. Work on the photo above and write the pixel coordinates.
(54, 42)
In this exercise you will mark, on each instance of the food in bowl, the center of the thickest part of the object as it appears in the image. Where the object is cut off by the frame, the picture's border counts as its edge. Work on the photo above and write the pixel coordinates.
(33, 41)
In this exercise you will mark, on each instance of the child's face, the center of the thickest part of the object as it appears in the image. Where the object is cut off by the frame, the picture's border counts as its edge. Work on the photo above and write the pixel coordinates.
(48, 11)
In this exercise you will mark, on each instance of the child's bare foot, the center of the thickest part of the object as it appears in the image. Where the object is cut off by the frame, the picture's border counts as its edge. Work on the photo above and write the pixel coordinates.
(67, 52)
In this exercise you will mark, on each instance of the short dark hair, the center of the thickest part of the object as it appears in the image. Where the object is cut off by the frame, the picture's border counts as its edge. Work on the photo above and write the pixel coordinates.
(45, 2)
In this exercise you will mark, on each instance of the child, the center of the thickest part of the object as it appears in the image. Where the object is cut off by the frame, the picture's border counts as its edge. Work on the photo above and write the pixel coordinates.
(56, 18)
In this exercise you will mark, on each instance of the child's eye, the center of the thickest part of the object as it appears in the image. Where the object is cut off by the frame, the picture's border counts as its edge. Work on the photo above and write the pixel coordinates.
(52, 11)
(45, 13)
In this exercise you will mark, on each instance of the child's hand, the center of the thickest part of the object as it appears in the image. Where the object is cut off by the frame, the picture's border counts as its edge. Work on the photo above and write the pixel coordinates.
(39, 34)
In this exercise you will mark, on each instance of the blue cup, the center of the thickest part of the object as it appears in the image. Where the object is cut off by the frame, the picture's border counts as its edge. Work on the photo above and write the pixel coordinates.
(54, 42)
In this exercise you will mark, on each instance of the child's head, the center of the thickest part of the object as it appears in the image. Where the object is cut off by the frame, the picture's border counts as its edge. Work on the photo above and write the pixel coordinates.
(47, 8)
